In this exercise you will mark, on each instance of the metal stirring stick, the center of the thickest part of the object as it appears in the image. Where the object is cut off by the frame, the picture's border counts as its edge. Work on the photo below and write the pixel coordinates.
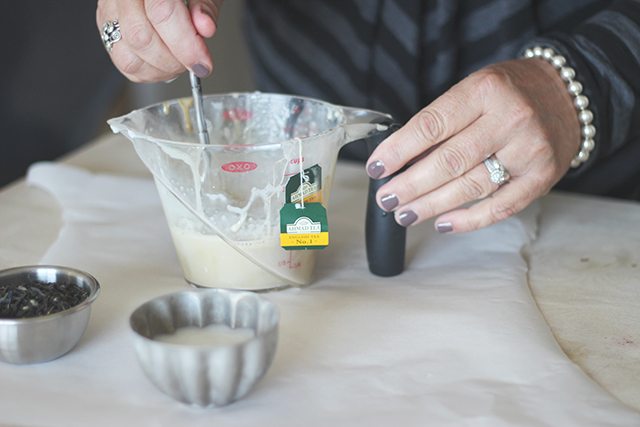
(196, 92)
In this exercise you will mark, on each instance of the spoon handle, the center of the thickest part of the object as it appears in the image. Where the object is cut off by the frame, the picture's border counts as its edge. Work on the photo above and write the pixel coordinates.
(196, 91)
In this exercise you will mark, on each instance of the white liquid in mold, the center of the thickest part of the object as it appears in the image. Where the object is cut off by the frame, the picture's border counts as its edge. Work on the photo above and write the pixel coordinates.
(208, 336)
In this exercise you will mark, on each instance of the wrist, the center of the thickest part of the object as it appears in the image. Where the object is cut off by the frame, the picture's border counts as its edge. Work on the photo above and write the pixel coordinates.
(580, 101)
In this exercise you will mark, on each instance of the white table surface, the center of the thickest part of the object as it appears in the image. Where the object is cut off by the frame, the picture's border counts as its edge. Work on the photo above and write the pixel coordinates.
(584, 266)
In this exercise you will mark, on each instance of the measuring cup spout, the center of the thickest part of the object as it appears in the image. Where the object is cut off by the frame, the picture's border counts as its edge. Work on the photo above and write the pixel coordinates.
(362, 123)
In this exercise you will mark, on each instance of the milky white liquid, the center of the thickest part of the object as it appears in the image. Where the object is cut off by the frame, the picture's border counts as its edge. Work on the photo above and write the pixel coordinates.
(209, 261)
(211, 335)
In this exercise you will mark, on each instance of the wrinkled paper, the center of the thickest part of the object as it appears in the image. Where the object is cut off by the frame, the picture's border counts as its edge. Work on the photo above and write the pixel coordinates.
(455, 340)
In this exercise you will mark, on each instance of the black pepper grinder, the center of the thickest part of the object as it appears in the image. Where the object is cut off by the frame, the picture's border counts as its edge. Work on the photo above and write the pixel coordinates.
(385, 238)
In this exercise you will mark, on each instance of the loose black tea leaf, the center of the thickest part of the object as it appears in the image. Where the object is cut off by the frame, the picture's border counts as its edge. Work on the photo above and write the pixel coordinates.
(38, 299)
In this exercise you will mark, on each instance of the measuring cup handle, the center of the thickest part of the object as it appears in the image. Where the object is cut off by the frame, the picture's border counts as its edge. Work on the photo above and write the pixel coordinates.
(385, 238)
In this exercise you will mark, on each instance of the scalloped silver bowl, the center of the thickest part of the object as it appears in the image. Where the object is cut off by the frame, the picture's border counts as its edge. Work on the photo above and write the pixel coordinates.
(205, 374)
(43, 338)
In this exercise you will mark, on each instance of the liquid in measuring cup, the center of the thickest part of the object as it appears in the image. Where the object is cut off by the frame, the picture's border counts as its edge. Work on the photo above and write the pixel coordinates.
(254, 260)
(209, 261)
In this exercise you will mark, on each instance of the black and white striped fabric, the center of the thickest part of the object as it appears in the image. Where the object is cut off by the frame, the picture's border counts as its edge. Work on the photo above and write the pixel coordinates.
(398, 55)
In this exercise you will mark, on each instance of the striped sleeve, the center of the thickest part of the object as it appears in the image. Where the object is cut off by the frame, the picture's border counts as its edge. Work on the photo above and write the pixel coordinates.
(605, 51)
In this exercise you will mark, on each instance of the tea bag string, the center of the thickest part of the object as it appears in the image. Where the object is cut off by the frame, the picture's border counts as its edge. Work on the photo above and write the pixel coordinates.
(301, 167)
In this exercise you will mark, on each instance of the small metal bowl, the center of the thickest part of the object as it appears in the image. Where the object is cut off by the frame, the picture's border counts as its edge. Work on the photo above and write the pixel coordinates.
(207, 374)
(46, 337)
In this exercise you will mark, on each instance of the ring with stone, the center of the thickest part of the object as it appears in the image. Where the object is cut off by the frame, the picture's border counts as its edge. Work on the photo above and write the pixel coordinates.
(110, 34)
(498, 174)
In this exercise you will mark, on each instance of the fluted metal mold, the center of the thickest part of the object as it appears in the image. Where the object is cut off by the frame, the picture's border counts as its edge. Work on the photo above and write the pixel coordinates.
(206, 375)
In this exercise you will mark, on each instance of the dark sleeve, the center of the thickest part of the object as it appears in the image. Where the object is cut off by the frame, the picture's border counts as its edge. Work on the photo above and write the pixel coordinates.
(605, 52)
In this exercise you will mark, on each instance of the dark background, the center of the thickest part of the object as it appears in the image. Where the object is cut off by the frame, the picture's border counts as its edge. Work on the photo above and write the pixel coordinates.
(56, 80)
(58, 86)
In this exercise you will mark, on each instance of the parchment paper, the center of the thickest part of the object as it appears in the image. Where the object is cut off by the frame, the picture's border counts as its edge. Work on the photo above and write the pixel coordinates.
(457, 340)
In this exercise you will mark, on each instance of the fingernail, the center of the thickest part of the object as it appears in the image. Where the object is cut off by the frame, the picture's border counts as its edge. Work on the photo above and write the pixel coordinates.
(200, 70)
(375, 169)
(407, 218)
(389, 202)
(207, 12)
(444, 227)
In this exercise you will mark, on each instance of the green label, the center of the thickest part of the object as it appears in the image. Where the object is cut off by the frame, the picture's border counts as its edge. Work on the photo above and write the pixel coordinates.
(303, 227)
(311, 188)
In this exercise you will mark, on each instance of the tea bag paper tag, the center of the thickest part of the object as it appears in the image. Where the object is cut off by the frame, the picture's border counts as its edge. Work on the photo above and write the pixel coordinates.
(310, 189)
(303, 227)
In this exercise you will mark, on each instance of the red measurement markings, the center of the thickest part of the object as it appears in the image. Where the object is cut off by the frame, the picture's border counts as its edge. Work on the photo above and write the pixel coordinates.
(236, 114)
(289, 263)
(293, 162)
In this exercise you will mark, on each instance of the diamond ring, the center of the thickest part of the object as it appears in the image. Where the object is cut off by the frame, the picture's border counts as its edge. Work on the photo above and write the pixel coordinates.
(498, 174)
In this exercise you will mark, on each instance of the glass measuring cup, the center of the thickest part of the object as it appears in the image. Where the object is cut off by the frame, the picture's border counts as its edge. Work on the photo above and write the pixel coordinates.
(222, 200)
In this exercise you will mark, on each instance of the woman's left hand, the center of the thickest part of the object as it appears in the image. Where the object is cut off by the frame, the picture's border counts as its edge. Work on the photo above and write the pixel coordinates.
(520, 111)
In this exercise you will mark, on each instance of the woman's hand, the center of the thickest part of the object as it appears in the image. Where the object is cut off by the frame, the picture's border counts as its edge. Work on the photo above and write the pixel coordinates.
(160, 38)
(519, 110)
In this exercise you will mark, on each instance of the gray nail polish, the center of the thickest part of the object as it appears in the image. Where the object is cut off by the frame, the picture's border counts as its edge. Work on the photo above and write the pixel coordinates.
(444, 227)
(389, 202)
(375, 169)
(407, 218)
(200, 70)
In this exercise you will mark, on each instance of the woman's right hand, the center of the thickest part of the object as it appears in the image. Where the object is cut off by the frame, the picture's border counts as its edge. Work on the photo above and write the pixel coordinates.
(160, 38)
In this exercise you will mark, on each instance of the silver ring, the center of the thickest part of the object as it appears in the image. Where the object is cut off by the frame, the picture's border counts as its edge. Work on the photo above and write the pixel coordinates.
(498, 174)
(110, 34)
